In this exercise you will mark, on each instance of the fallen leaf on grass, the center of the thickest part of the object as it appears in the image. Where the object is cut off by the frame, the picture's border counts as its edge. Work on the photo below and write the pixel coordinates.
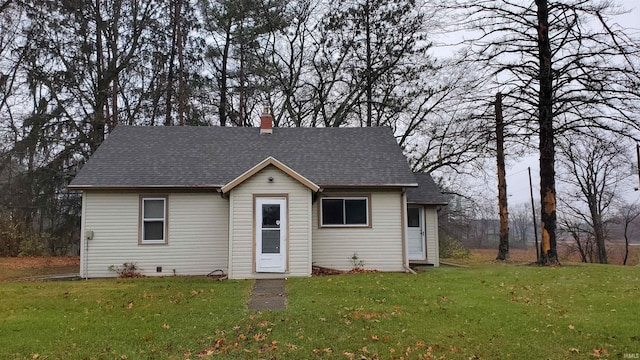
(292, 346)
(374, 337)
(165, 326)
(35, 356)
(259, 337)
(349, 355)
(264, 323)
(571, 327)
(574, 350)
(219, 342)
(597, 353)
(130, 306)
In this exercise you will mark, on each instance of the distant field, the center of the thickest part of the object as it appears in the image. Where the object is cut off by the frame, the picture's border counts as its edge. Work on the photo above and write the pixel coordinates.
(27, 266)
(615, 255)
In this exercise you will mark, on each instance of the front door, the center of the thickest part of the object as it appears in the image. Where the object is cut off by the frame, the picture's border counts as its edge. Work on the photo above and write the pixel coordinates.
(271, 235)
(415, 233)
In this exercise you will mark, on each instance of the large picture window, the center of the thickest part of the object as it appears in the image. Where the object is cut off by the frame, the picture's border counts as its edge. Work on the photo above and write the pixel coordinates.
(153, 220)
(344, 211)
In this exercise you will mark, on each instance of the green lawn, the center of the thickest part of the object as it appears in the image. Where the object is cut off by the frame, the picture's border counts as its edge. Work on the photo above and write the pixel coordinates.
(487, 312)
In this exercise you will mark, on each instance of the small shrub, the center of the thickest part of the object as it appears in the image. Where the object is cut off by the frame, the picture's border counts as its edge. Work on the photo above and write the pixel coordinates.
(127, 270)
(32, 245)
(451, 248)
(356, 261)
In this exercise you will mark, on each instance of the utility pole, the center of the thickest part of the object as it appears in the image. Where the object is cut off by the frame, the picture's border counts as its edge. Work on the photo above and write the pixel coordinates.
(503, 248)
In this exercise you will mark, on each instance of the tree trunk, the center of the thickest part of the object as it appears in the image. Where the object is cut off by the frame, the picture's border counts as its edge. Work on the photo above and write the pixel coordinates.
(548, 245)
(626, 243)
(503, 248)
(96, 131)
(581, 251)
(598, 230)
(222, 82)
(170, 74)
(113, 64)
(241, 95)
(369, 64)
(180, 43)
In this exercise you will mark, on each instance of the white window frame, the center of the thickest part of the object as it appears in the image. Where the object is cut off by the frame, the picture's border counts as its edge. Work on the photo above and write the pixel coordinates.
(144, 219)
(367, 200)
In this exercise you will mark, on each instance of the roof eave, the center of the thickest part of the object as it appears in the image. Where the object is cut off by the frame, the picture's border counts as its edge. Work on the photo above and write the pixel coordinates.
(263, 164)
(126, 187)
(427, 203)
(351, 186)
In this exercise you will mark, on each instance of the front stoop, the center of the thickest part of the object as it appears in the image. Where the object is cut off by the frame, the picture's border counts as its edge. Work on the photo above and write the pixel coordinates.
(268, 294)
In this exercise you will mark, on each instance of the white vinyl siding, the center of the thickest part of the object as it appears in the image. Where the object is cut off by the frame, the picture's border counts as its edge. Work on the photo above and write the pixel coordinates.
(379, 246)
(431, 235)
(242, 224)
(197, 232)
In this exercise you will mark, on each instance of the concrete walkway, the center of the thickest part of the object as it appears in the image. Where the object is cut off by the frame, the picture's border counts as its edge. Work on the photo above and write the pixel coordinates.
(268, 294)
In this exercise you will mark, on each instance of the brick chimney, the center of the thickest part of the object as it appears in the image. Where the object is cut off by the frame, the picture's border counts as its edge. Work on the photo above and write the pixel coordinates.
(266, 122)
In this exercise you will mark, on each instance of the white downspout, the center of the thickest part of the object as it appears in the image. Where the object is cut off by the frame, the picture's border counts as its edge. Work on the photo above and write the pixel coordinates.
(230, 233)
(84, 244)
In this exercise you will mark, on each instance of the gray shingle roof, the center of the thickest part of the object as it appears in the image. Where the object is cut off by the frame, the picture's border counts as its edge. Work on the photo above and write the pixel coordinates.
(135, 156)
(427, 192)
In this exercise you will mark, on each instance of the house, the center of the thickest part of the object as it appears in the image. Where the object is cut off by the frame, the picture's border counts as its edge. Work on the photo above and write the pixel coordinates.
(255, 203)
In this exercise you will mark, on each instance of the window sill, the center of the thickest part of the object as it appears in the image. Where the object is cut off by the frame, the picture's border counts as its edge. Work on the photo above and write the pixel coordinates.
(345, 226)
(153, 243)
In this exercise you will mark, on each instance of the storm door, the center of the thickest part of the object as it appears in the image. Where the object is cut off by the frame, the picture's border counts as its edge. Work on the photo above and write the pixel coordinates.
(271, 234)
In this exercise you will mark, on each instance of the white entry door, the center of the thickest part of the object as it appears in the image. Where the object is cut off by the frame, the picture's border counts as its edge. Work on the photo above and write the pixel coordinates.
(415, 233)
(271, 234)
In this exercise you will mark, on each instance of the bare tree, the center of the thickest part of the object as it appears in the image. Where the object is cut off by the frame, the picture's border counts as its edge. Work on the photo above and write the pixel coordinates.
(290, 93)
(563, 68)
(67, 61)
(582, 240)
(628, 213)
(593, 167)
(521, 223)
(370, 56)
